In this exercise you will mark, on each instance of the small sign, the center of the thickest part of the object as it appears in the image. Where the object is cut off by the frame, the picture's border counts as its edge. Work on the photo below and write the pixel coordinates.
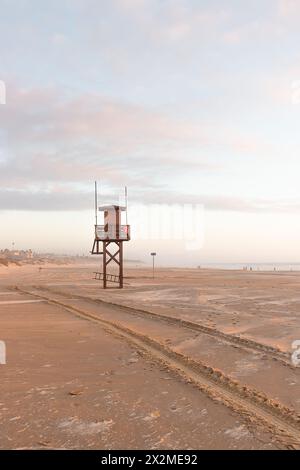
(153, 254)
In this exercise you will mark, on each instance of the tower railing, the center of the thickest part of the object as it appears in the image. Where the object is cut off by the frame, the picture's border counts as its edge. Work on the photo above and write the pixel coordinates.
(112, 232)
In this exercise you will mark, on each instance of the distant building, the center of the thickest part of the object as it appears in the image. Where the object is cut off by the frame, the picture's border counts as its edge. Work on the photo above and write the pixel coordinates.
(17, 255)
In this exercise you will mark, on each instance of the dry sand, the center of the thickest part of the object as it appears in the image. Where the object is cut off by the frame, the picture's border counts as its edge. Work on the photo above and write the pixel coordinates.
(191, 359)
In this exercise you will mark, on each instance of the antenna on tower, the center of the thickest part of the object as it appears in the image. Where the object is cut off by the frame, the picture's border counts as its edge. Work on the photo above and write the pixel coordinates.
(126, 203)
(96, 204)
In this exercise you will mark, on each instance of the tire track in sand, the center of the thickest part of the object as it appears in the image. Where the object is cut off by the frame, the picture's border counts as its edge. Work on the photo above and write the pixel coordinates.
(236, 341)
(255, 406)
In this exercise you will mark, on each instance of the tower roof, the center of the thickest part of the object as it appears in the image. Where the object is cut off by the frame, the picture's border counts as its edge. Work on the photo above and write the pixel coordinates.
(114, 207)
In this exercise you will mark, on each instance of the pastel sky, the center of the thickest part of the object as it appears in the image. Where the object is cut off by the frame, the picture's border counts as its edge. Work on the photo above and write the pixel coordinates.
(183, 101)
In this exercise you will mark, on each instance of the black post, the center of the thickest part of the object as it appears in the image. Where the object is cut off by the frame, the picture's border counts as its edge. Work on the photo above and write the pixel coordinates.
(153, 255)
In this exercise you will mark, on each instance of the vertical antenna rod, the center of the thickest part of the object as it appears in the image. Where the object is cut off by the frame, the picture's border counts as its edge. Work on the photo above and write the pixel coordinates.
(126, 201)
(96, 204)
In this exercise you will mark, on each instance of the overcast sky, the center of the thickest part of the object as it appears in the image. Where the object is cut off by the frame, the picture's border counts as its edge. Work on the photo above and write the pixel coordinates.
(183, 101)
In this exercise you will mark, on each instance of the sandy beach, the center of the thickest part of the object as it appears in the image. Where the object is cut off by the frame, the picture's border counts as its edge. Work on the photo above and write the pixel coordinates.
(192, 359)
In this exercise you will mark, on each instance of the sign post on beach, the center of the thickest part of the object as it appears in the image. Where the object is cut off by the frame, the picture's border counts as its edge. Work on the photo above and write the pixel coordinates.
(153, 256)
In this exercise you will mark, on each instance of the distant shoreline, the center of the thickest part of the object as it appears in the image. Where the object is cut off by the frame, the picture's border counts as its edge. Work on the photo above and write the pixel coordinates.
(65, 260)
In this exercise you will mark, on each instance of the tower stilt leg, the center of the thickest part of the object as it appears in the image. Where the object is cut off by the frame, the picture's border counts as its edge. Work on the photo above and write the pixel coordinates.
(121, 265)
(104, 265)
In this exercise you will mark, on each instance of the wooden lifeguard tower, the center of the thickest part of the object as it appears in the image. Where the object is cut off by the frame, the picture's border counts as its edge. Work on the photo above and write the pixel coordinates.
(108, 236)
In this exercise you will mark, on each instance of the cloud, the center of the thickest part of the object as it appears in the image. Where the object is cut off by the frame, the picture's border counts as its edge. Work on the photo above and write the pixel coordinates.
(48, 138)
(26, 200)
(61, 198)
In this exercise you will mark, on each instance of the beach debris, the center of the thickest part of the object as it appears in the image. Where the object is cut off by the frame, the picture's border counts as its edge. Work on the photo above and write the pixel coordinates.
(74, 393)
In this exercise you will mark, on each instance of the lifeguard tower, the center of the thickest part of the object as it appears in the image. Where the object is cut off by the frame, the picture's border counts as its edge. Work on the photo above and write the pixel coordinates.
(110, 236)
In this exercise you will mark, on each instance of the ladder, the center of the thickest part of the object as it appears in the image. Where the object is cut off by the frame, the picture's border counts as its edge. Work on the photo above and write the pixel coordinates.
(109, 277)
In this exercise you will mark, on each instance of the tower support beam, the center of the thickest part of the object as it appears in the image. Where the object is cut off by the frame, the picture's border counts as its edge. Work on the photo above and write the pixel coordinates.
(116, 257)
